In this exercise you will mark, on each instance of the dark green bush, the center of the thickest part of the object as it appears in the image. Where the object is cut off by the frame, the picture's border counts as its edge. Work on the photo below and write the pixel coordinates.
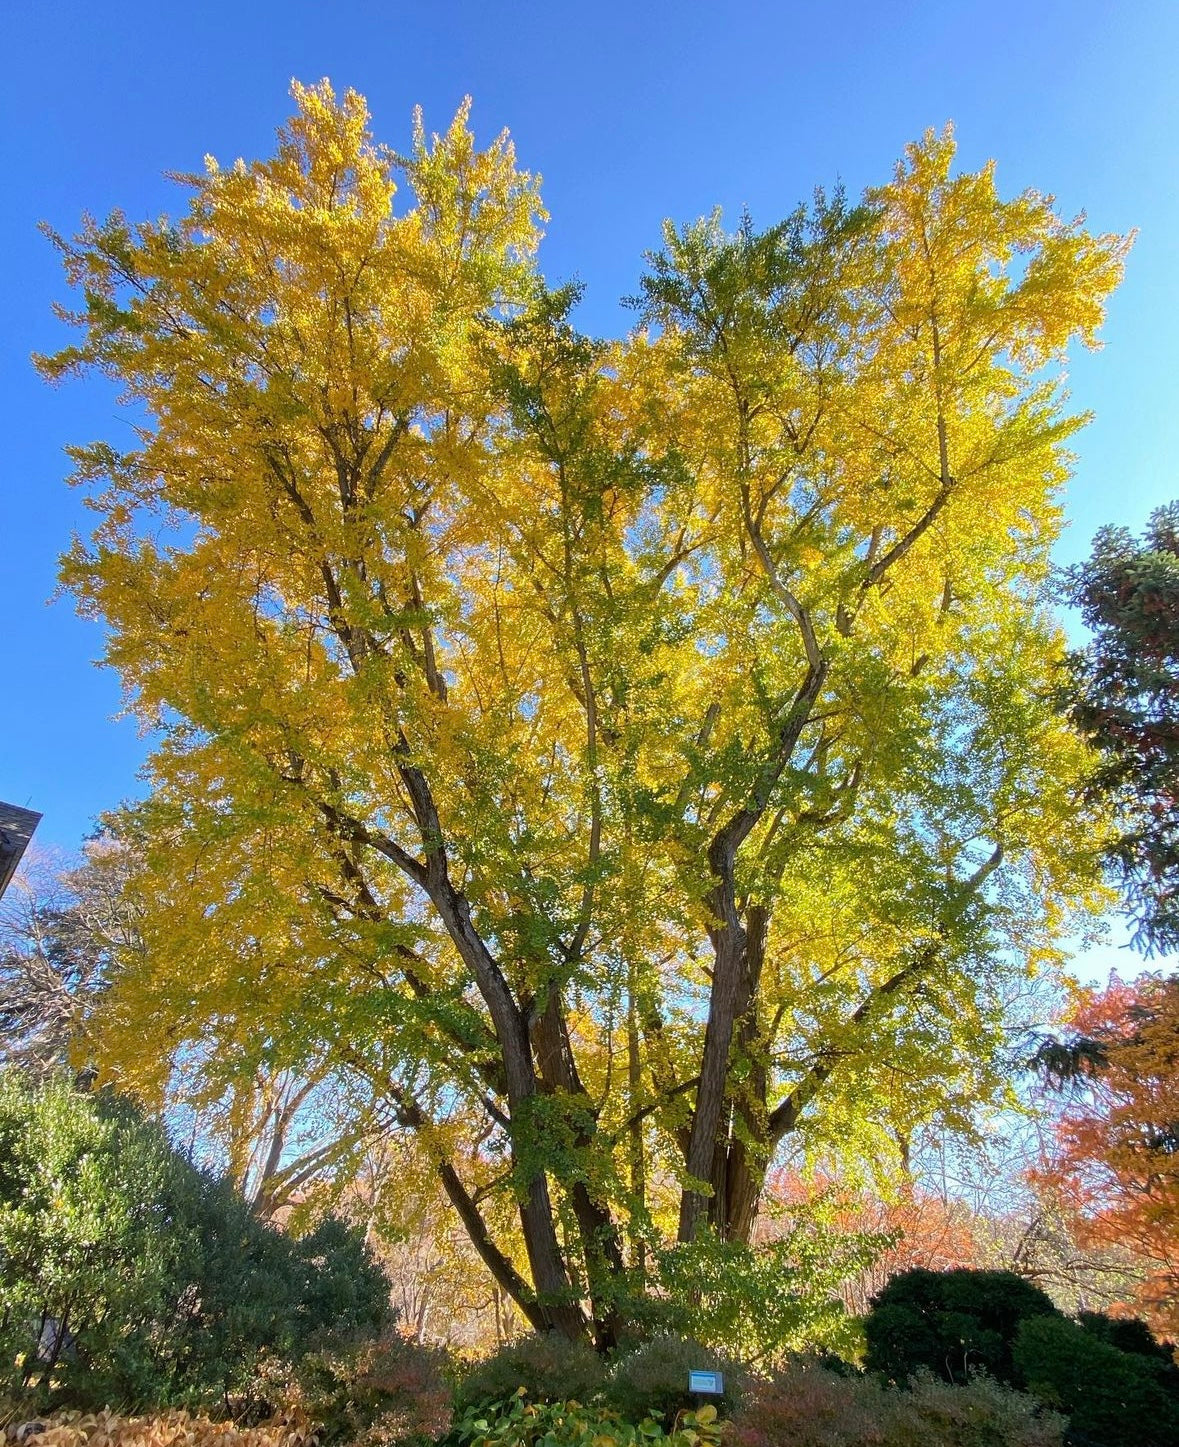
(652, 1380)
(952, 1323)
(252, 1291)
(1129, 1334)
(547, 1366)
(1113, 1398)
(171, 1289)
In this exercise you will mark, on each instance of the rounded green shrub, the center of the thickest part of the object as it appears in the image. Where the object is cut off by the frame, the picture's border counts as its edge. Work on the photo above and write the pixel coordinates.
(547, 1366)
(652, 1380)
(952, 1323)
(1113, 1398)
(1129, 1334)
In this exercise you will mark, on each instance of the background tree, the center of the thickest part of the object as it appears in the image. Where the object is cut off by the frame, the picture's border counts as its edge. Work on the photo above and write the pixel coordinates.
(1116, 1161)
(1124, 697)
(621, 757)
(440, 1288)
(67, 932)
(58, 933)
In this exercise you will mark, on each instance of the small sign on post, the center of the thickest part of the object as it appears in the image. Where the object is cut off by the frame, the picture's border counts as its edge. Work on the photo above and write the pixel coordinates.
(706, 1384)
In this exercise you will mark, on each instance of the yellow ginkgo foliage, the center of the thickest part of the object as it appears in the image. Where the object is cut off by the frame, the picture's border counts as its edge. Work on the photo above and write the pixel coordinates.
(623, 757)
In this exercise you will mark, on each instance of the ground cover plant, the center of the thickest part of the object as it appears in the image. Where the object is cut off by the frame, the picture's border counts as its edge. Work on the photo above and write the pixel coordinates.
(166, 1429)
(521, 1423)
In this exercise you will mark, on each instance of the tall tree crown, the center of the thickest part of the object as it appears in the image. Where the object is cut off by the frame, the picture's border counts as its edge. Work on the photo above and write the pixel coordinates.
(630, 743)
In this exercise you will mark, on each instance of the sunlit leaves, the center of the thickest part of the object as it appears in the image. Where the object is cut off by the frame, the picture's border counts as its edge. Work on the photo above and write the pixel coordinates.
(468, 635)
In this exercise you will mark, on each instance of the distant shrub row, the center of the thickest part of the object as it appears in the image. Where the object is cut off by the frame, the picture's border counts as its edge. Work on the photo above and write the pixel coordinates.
(1117, 1385)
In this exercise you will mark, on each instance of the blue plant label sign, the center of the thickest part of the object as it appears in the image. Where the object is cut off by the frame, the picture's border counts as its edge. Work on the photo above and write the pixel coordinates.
(707, 1384)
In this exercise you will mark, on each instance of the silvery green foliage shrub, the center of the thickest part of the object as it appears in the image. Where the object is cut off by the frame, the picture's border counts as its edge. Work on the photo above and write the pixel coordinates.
(806, 1406)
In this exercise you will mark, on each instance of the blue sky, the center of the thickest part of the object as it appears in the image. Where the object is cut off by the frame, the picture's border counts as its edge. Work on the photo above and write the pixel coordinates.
(632, 113)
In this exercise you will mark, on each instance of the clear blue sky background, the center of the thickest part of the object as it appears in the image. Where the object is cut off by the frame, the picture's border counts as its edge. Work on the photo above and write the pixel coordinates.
(631, 112)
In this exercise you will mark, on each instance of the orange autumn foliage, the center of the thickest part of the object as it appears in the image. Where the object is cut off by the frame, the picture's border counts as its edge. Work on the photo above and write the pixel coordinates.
(1116, 1161)
(929, 1231)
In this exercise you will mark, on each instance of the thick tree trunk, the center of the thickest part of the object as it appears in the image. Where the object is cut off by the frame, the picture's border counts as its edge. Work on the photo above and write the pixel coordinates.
(733, 1173)
(601, 1247)
(707, 1121)
(638, 1160)
(744, 1178)
(737, 950)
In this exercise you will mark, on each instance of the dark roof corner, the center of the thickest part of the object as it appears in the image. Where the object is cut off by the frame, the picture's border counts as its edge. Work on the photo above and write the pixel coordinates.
(16, 829)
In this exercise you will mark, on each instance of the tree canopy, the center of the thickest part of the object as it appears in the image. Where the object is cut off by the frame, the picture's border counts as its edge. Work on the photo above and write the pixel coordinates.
(621, 756)
(1123, 695)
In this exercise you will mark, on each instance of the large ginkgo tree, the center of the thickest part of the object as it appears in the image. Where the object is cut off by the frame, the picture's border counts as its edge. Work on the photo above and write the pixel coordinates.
(623, 757)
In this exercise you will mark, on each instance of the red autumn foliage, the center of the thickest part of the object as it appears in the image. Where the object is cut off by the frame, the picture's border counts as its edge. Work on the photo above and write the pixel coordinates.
(1116, 1162)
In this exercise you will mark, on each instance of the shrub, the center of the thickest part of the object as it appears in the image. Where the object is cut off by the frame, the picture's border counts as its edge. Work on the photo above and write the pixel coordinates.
(983, 1413)
(373, 1392)
(762, 1303)
(652, 1380)
(548, 1367)
(167, 1429)
(169, 1287)
(805, 1406)
(952, 1323)
(521, 1423)
(1129, 1334)
(1113, 1398)
(251, 1291)
(80, 1255)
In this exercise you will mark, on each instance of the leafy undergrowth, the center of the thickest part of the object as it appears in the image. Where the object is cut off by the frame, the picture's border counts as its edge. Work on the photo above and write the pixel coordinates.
(161, 1429)
(387, 1392)
(521, 1423)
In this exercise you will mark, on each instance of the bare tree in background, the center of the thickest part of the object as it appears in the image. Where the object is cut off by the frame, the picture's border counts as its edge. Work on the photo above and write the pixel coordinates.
(67, 928)
(60, 928)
